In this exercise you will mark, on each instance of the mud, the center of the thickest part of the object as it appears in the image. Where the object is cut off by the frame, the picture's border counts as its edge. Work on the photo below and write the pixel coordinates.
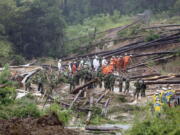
(46, 125)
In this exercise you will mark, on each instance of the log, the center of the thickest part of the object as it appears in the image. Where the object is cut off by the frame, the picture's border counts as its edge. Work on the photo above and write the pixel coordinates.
(102, 128)
(79, 93)
(169, 39)
(117, 28)
(67, 105)
(29, 75)
(145, 76)
(162, 26)
(156, 53)
(102, 96)
(146, 63)
(76, 90)
(138, 44)
(162, 82)
(3, 85)
(162, 77)
(104, 112)
(90, 112)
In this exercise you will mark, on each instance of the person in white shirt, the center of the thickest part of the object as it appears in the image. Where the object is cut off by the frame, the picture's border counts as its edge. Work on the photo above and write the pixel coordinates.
(104, 62)
(59, 65)
(96, 63)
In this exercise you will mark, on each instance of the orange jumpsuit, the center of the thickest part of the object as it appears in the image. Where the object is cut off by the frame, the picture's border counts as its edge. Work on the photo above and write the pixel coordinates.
(120, 64)
(126, 60)
(107, 69)
(113, 61)
(74, 68)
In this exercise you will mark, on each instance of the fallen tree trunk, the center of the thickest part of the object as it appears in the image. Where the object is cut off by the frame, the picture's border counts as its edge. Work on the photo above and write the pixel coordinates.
(162, 26)
(102, 128)
(3, 85)
(146, 63)
(102, 96)
(67, 105)
(79, 93)
(161, 41)
(76, 90)
(104, 112)
(163, 82)
(156, 53)
(144, 76)
(90, 112)
(29, 75)
(162, 77)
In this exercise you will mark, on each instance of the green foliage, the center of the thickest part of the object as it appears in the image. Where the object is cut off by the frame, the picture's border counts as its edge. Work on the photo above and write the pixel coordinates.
(176, 8)
(35, 27)
(97, 118)
(86, 30)
(121, 98)
(168, 123)
(63, 115)
(4, 75)
(21, 108)
(76, 10)
(18, 60)
(5, 51)
(7, 95)
(133, 30)
(28, 110)
(151, 36)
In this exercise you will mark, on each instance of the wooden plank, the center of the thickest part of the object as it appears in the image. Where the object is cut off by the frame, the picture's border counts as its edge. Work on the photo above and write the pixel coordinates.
(162, 82)
(76, 90)
(102, 96)
(90, 112)
(79, 93)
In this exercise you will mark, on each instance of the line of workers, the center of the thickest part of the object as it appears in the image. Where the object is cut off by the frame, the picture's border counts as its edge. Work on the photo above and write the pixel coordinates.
(116, 63)
(87, 69)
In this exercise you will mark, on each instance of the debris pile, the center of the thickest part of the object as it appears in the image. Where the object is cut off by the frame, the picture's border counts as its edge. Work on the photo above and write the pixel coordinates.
(46, 125)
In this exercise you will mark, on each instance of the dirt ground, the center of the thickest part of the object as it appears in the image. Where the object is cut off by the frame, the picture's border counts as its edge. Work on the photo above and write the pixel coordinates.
(46, 125)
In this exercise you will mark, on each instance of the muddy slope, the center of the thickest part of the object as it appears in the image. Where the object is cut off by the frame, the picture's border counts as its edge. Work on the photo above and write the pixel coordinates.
(46, 125)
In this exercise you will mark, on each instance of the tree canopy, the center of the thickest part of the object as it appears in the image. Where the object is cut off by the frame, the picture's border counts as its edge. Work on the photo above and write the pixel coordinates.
(35, 28)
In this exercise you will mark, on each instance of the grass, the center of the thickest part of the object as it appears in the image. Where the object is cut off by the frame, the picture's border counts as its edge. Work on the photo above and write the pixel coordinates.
(63, 115)
(99, 22)
(145, 123)
(20, 108)
(102, 22)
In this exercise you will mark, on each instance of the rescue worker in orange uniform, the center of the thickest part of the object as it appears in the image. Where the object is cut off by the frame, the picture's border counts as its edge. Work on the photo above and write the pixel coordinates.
(113, 61)
(120, 63)
(126, 60)
(74, 68)
(107, 69)
(116, 63)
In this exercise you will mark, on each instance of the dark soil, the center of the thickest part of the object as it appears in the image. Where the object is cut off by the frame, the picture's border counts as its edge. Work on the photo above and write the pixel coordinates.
(46, 125)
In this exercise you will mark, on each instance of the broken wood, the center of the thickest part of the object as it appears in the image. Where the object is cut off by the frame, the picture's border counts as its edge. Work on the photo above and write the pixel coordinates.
(162, 77)
(102, 96)
(102, 128)
(156, 53)
(161, 26)
(29, 75)
(3, 85)
(104, 112)
(90, 112)
(146, 63)
(79, 93)
(145, 76)
(76, 90)
(162, 82)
